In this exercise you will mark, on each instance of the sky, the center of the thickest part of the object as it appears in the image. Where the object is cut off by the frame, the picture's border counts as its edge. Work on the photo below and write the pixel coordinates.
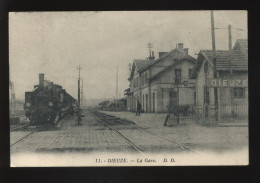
(56, 43)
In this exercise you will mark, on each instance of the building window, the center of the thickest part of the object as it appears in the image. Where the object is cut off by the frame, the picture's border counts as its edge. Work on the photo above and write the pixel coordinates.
(143, 100)
(239, 92)
(190, 72)
(146, 102)
(136, 82)
(153, 102)
(177, 75)
(145, 77)
(206, 89)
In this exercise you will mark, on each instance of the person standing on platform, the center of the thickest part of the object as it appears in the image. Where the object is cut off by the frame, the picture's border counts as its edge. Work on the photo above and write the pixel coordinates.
(138, 108)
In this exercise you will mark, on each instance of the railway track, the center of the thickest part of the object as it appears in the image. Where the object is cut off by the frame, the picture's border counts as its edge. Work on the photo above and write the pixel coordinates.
(132, 144)
(108, 119)
(32, 131)
(19, 127)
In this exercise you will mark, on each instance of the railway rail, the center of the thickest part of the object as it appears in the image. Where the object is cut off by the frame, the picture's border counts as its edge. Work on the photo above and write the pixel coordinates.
(105, 118)
(132, 144)
(19, 127)
(29, 133)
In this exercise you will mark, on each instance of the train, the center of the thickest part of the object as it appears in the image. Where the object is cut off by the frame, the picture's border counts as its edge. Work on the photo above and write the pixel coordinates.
(48, 103)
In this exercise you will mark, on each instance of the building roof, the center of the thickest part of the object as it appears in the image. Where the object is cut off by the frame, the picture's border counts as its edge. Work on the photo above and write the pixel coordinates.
(171, 53)
(243, 43)
(168, 68)
(234, 59)
(227, 59)
(140, 64)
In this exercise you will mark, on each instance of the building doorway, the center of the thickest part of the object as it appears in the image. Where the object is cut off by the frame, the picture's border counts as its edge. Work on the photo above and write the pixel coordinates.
(153, 102)
(206, 101)
(173, 101)
(143, 103)
(146, 103)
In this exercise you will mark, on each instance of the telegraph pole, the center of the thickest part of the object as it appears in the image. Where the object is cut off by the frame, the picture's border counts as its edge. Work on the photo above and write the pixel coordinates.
(79, 68)
(230, 69)
(116, 86)
(82, 93)
(79, 115)
(229, 38)
(214, 64)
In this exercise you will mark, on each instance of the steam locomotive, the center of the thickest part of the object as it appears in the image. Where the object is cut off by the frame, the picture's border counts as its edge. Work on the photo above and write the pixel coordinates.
(48, 103)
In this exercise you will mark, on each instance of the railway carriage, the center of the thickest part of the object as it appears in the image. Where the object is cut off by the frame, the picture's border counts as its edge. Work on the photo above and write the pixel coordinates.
(48, 103)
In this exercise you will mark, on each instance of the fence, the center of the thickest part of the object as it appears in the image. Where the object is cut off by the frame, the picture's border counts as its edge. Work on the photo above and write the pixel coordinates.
(181, 114)
(233, 110)
(228, 112)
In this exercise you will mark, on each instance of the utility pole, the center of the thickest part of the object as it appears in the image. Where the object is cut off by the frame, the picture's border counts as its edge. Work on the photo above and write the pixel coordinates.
(79, 114)
(214, 64)
(79, 68)
(82, 103)
(116, 86)
(229, 38)
(230, 69)
(230, 48)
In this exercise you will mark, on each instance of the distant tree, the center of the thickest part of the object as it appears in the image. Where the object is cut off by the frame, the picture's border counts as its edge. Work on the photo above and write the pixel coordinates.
(104, 103)
(123, 100)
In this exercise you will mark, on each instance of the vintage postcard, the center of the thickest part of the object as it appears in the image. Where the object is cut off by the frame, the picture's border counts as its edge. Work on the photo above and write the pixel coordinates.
(128, 88)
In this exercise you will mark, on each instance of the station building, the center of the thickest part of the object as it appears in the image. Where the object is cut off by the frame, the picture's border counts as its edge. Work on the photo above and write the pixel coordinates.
(231, 81)
(156, 82)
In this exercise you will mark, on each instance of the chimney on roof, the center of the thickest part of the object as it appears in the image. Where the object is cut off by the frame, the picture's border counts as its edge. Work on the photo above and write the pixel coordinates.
(229, 38)
(151, 56)
(151, 53)
(162, 53)
(180, 46)
(41, 79)
(186, 51)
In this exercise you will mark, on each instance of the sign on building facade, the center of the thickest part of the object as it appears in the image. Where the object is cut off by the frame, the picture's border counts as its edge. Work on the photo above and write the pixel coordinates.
(222, 82)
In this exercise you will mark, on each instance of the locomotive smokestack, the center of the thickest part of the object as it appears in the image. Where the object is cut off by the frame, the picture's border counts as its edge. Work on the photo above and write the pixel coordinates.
(41, 80)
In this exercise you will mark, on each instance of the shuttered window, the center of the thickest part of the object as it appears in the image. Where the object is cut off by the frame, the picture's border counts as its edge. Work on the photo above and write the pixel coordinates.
(238, 92)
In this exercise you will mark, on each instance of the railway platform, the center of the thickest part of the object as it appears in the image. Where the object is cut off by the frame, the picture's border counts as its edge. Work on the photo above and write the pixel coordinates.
(196, 136)
(156, 120)
(121, 133)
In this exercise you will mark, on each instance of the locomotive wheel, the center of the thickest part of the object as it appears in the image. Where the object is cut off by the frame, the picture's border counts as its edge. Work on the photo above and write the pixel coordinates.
(52, 117)
(30, 118)
(35, 119)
